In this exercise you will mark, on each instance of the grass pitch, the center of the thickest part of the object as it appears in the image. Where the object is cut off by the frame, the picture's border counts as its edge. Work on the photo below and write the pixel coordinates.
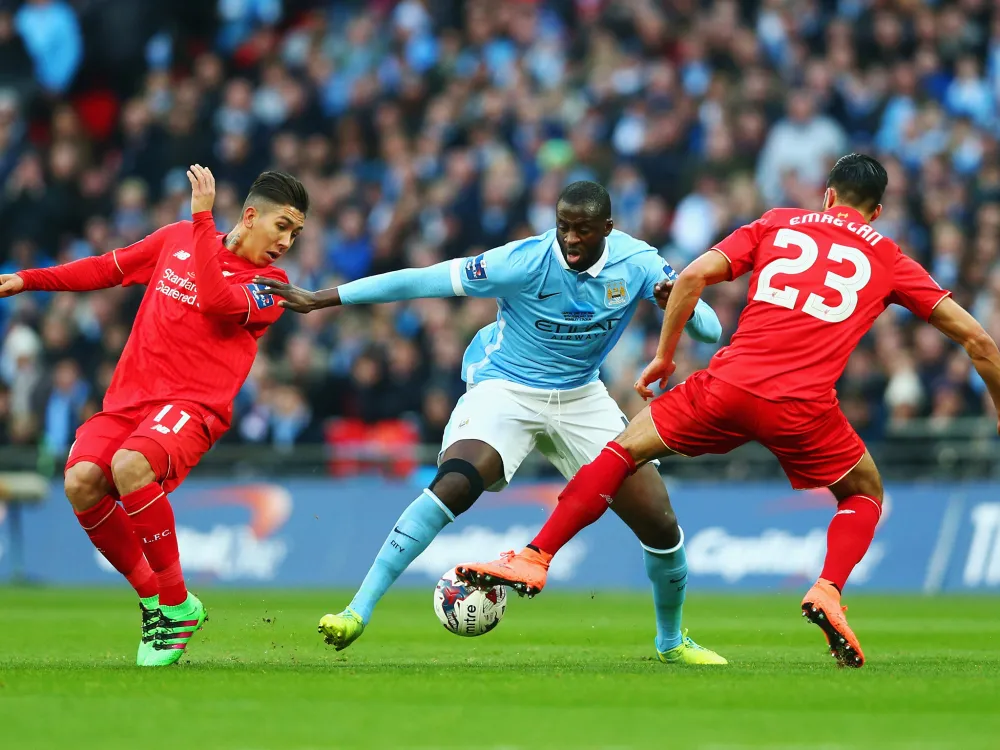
(561, 671)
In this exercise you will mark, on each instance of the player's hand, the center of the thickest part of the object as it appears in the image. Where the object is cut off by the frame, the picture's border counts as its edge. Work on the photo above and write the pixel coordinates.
(292, 297)
(662, 292)
(202, 188)
(10, 284)
(660, 369)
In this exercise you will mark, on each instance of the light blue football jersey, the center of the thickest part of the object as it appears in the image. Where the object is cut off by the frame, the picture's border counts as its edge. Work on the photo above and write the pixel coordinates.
(554, 326)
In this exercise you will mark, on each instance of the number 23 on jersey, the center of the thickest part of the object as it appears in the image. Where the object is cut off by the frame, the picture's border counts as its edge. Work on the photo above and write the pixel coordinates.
(814, 305)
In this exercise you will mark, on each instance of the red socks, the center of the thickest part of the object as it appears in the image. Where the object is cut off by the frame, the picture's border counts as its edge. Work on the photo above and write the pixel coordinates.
(110, 530)
(153, 523)
(849, 536)
(586, 497)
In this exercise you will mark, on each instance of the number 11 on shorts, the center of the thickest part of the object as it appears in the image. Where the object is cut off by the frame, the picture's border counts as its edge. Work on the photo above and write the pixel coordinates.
(181, 421)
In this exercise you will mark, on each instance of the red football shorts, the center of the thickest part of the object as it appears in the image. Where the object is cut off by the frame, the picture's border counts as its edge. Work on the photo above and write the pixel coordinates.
(814, 443)
(172, 437)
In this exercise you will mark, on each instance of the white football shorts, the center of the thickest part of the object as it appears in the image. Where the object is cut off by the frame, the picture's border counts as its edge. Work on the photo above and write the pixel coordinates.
(569, 427)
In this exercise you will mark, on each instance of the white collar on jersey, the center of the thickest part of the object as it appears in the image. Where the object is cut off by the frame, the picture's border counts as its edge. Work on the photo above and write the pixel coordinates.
(593, 270)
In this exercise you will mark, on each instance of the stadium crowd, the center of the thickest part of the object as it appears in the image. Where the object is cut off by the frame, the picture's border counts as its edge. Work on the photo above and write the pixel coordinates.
(432, 129)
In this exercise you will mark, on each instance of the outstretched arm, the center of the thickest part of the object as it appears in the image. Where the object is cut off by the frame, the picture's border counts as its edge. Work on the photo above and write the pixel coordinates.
(409, 283)
(957, 324)
(495, 273)
(708, 269)
(84, 275)
(125, 266)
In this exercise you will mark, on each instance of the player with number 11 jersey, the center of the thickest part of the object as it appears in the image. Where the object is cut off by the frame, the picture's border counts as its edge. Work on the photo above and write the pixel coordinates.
(171, 396)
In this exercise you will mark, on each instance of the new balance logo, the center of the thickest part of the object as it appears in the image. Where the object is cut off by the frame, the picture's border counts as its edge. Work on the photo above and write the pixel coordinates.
(608, 499)
(228, 273)
(844, 512)
(182, 254)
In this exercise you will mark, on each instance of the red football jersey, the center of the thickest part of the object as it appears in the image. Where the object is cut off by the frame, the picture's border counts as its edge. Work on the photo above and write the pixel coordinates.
(176, 351)
(819, 281)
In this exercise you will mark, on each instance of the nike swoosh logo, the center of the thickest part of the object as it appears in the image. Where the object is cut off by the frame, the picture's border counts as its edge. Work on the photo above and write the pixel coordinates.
(405, 534)
(546, 296)
(677, 580)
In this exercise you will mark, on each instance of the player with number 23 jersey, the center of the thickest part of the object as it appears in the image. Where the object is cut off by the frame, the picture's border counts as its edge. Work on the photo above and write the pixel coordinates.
(819, 281)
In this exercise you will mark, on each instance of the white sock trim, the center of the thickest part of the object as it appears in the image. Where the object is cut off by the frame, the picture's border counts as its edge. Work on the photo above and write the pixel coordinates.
(442, 506)
(665, 551)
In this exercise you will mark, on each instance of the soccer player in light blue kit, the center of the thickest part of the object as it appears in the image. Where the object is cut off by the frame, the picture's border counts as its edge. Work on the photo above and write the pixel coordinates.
(564, 299)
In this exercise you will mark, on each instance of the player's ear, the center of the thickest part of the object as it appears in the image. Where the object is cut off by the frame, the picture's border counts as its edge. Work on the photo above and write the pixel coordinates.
(829, 198)
(876, 213)
(249, 216)
(608, 226)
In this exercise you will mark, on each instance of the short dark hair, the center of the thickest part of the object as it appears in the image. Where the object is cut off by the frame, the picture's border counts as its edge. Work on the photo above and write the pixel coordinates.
(279, 189)
(590, 196)
(859, 181)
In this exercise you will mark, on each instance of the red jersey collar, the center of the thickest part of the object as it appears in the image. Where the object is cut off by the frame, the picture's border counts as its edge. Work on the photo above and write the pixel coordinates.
(846, 212)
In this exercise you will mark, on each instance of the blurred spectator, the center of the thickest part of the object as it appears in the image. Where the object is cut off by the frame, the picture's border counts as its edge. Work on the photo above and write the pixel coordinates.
(805, 143)
(51, 32)
(16, 66)
(62, 401)
(431, 130)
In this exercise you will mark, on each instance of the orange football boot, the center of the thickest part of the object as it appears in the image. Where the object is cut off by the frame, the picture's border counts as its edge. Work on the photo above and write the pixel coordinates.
(821, 606)
(524, 572)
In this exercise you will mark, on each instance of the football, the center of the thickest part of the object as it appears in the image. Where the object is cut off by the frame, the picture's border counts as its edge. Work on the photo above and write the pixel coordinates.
(467, 611)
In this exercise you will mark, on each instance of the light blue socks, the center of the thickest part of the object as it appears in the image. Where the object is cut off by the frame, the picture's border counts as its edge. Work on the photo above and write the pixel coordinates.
(413, 532)
(667, 570)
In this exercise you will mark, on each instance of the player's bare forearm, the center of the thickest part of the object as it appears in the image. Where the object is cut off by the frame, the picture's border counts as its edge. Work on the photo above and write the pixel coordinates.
(986, 359)
(680, 307)
(710, 268)
(707, 269)
(297, 299)
(957, 324)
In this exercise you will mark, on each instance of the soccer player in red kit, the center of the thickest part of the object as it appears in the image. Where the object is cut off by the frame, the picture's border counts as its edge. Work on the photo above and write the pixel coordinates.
(818, 282)
(192, 345)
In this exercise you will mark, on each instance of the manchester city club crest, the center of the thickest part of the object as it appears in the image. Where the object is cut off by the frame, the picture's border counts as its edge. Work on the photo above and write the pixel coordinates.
(616, 293)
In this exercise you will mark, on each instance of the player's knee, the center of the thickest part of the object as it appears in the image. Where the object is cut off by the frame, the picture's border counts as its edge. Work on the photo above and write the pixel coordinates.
(864, 479)
(662, 531)
(457, 484)
(85, 484)
(131, 470)
(877, 491)
(640, 438)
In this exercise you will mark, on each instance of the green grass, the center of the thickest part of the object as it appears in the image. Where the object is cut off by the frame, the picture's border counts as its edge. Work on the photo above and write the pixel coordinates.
(563, 670)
